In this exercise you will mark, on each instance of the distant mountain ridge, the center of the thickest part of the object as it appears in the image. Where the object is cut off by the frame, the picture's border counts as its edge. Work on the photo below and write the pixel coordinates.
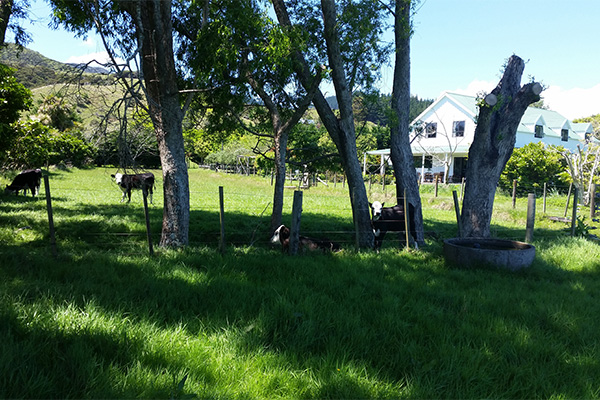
(33, 70)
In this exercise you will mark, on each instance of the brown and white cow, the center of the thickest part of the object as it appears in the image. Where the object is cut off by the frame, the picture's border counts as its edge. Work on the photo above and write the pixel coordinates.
(282, 236)
(391, 219)
(128, 182)
(29, 179)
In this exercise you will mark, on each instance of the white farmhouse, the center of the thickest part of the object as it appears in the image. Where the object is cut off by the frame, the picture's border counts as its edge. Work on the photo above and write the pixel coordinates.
(442, 134)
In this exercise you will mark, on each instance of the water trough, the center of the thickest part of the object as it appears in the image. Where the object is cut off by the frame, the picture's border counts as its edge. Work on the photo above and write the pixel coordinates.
(488, 252)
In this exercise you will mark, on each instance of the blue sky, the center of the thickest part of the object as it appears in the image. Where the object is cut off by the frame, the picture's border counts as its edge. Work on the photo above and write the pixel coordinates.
(458, 45)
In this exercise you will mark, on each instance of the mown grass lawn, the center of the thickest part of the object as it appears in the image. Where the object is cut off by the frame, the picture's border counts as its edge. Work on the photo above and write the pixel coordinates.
(104, 320)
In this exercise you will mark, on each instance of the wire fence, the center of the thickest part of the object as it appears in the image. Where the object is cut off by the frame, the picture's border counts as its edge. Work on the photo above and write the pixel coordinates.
(109, 225)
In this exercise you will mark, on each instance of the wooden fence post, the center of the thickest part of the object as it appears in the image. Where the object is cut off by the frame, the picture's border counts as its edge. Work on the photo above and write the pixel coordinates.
(406, 221)
(437, 179)
(514, 193)
(147, 218)
(530, 217)
(593, 201)
(457, 211)
(222, 220)
(295, 227)
(462, 188)
(545, 193)
(50, 217)
(574, 215)
(568, 198)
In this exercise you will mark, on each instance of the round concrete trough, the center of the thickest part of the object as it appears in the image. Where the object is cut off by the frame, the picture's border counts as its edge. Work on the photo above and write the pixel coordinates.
(486, 252)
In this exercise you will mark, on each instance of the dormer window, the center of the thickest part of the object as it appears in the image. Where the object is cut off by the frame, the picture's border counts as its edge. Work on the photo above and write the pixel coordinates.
(458, 129)
(539, 131)
(564, 135)
(431, 130)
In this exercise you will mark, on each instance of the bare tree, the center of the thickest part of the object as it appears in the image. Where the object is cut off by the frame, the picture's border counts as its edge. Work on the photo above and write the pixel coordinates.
(582, 168)
(500, 113)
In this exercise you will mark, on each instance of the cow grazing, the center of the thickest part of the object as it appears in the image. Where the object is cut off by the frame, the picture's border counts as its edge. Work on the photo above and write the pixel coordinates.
(29, 179)
(391, 219)
(282, 236)
(126, 182)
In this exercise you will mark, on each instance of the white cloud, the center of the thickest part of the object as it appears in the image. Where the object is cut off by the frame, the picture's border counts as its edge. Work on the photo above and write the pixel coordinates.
(89, 42)
(571, 103)
(476, 87)
(100, 58)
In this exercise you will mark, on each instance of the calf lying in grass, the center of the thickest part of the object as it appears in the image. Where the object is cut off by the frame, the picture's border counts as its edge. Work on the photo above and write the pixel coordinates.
(282, 236)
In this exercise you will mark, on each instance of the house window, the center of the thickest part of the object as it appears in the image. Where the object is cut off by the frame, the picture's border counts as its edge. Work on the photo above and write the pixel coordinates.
(458, 129)
(428, 162)
(564, 135)
(539, 131)
(431, 130)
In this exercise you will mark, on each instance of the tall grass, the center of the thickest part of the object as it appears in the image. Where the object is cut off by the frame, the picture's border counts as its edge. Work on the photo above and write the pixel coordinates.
(105, 320)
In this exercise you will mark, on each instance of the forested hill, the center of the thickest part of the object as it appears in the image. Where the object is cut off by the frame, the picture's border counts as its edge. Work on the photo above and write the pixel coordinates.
(34, 70)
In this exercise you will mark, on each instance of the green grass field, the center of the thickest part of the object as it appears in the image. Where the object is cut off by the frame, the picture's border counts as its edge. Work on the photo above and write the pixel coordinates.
(105, 320)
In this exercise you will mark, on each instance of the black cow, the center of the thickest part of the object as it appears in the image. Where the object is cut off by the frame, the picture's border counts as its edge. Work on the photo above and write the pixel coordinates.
(282, 236)
(144, 181)
(28, 179)
(391, 219)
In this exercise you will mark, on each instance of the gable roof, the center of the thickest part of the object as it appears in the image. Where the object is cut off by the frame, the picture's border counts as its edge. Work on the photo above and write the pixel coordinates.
(552, 120)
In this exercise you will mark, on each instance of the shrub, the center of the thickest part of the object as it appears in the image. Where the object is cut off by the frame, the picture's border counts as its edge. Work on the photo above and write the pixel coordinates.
(533, 165)
(37, 145)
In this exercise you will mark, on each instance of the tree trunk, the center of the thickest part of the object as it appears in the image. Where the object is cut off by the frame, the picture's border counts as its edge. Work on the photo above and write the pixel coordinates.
(280, 155)
(341, 130)
(155, 36)
(499, 116)
(6, 7)
(400, 151)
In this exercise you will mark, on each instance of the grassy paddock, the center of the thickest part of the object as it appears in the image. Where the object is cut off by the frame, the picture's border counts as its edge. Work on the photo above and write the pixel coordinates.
(105, 320)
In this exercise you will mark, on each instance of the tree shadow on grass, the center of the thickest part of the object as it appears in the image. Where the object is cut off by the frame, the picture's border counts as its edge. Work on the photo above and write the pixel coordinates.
(397, 318)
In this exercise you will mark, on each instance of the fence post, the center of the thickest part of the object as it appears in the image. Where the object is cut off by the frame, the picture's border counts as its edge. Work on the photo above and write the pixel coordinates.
(406, 221)
(568, 198)
(295, 227)
(593, 201)
(437, 179)
(50, 217)
(574, 217)
(222, 220)
(530, 217)
(545, 192)
(462, 188)
(147, 218)
(457, 211)
(514, 194)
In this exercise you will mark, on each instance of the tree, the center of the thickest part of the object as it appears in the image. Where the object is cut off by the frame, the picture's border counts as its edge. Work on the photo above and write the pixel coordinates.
(15, 10)
(582, 166)
(249, 76)
(351, 35)
(14, 98)
(143, 30)
(533, 165)
(400, 151)
(500, 113)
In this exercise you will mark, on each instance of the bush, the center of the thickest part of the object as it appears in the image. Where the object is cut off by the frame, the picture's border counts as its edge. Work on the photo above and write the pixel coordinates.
(533, 165)
(37, 145)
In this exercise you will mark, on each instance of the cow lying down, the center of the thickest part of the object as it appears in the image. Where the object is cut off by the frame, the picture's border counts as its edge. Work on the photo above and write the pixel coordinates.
(282, 236)
(29, 179)
(144, 182)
